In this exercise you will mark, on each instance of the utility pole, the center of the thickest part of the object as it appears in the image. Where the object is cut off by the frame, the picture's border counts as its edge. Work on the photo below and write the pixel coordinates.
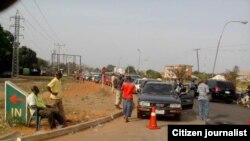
(15, 52)
(58, 56)
(139, 60)
(197, 53)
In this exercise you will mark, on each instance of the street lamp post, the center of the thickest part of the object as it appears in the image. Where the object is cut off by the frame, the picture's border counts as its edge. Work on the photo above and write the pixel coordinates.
(139, 59)
(145, 66)
(243, 22)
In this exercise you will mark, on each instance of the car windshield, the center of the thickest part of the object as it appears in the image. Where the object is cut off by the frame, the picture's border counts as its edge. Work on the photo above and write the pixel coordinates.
(163, 89)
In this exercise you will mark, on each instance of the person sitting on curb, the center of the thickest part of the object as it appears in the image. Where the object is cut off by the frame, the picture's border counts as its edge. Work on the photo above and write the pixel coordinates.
(36, 103)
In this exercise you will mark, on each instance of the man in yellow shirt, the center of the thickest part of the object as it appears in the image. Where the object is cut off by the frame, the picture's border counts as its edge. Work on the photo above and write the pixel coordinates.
(55, 88)
(36, 103)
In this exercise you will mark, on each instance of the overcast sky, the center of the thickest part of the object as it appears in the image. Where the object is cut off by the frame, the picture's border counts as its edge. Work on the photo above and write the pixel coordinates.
(147, 34)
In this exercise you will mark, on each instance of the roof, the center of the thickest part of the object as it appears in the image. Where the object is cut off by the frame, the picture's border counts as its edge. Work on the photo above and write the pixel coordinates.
(219, 77)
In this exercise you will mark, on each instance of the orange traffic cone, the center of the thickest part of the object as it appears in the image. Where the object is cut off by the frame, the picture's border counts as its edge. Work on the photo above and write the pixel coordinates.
(152, 120)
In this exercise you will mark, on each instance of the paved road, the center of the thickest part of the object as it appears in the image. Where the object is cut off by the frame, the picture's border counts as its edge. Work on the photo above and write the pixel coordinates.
(135, 130)
(228, 113)
(118, 130)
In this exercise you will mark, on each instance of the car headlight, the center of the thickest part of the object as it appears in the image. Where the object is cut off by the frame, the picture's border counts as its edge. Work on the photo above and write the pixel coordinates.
(144, 103)
(175, 105)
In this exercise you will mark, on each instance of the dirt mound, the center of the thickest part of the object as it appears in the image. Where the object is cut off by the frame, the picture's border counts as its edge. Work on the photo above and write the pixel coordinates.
(82, 102)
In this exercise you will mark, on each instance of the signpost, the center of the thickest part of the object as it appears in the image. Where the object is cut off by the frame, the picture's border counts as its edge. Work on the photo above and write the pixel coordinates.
(15, 103)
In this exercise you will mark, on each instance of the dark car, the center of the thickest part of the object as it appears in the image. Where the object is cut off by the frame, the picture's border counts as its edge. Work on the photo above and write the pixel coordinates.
(222, 90)
(6, 74)
(134, 77)
(166, 100)
(144, 82)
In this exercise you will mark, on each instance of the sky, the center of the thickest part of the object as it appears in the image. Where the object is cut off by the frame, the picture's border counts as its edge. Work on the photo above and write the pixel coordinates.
(147, 34)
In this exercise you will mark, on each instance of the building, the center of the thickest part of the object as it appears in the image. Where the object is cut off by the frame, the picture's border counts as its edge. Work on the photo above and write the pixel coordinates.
(175, 71)
(244, 75)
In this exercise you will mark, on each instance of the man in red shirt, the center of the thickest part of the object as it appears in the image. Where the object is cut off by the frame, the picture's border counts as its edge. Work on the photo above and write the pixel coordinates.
(128, 89)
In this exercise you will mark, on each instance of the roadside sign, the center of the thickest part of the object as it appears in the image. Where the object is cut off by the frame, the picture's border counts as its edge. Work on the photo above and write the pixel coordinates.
(15, 102)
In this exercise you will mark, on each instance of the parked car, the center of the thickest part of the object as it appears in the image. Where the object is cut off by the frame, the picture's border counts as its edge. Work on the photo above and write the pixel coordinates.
(134, 77)
(6, 74)
(97, 78)
(222, 90)
(144, 82)
(166, 100)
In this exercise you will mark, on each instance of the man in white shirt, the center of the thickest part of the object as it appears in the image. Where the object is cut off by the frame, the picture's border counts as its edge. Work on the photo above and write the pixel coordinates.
(36, 103)
(203, 99)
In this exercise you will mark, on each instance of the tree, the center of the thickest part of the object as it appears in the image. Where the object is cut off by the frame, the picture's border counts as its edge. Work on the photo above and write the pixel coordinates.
(153, 74)
(43, 64)
(6, 41)
(27, 58)
(202, 75)
(110, 68)
(232, 75)
(130, 70)
(180, 72)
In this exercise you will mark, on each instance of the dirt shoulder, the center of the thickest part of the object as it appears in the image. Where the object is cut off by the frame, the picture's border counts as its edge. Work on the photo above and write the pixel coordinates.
(82, 102)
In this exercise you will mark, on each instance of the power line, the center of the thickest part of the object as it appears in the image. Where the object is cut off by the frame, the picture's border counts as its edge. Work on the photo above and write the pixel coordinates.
(46, 20)
(35, 45)
(44, 36)
(36, 20)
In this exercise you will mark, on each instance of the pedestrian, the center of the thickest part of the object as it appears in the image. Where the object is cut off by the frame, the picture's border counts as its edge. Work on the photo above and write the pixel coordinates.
(203, 99)
(179, 86)
(118, 96)
(113, 79)
(36, 103)
(192, 87)
(128, 89)
(55, 88)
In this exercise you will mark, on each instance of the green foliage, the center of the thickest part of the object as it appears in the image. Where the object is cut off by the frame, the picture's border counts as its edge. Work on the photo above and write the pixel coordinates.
(153, 74)
(42, 63)
(130, 70)
(202, 75)
(6, 41)
(110, 68)
(97, 70)
(232, 75)
(27, 58)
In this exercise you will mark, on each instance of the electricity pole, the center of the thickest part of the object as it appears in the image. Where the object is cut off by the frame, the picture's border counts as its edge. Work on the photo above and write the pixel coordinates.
(197, 54)
(58, 56)
(15, 52)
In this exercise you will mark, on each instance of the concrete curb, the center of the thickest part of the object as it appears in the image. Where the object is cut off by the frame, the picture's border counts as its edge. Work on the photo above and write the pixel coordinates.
(68, 130)
(10, 136)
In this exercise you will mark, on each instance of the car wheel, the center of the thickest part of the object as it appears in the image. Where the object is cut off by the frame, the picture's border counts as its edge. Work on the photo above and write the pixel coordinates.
(139, 114)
